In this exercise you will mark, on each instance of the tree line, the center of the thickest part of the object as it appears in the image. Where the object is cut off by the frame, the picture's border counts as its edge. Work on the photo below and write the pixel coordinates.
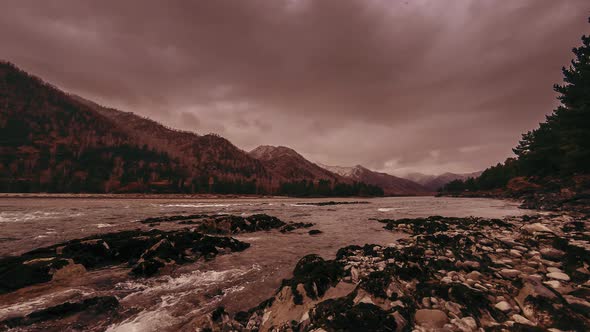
(560, 146)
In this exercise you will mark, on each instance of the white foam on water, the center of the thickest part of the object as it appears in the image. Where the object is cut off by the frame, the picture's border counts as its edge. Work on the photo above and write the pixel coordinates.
(246, 239)
(154, 320)
(233, 289)
(6, 217)
(390, 209)
(171, 291)
(198, 205)
(24, 308)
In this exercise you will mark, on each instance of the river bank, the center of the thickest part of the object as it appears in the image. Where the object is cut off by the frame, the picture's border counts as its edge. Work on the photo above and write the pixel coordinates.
(454, 274)
(569, 195)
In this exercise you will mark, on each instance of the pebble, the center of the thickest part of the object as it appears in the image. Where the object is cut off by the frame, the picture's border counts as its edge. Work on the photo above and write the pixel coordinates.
(503, 306)
(473, 275)
(509, 273)
(553, 284)
(465, 324)
(559, 276)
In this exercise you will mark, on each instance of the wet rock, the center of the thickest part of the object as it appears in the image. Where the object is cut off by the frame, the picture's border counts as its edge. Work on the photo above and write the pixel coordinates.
(22, 271)
(144, 251)
(295, 225)
(343, 315)
(316, 275)
(228, 224)
(91, 307)
(431, 318)
(547, 308)
(220, 315)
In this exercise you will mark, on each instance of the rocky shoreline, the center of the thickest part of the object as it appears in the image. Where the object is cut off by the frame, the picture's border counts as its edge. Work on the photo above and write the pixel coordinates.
(571, 195)
(140, 253)
(144, 252)
(452, 274)
(527, 273)
(228, 224)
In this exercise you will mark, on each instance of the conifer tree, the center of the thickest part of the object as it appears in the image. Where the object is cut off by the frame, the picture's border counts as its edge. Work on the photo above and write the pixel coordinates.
(561, 145)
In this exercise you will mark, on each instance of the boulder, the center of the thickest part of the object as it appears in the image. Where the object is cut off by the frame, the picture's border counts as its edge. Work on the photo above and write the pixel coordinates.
(145, 251)
(431, 318)
(342, 315)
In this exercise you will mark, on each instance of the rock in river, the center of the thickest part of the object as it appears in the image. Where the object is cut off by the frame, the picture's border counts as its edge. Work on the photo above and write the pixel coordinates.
(144, 251)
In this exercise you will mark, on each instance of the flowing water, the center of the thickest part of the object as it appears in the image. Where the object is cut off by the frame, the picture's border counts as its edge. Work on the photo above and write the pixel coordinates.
(237, 281)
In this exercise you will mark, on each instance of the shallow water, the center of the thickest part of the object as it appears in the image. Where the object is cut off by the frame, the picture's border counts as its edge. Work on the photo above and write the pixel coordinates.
(237, 281)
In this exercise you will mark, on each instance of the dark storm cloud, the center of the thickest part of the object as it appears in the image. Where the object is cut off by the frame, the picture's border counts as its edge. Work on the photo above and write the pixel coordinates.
(421, 85)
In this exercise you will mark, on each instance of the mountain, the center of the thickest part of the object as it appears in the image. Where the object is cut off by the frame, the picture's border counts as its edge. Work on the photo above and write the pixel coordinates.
(51, 141)
(435, 182)
(305, 178)
(54, 142)
(391, 185)
(289, 164)
(208, 154)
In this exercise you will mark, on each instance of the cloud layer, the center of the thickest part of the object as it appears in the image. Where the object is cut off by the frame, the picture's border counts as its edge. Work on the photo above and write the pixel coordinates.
(398, 86)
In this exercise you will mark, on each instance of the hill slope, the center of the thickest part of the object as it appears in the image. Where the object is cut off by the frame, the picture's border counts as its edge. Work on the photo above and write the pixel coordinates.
(435, 182)
(301, 177)
(289, 164)
(390, 184)
(51, 141)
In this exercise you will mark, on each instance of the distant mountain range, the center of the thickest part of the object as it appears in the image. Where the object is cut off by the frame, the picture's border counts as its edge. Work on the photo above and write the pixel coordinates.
(51, 141)
(435, 182)
(392, 185)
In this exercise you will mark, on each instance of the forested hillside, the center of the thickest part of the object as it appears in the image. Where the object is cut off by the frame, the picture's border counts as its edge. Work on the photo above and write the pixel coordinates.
(554, 157)
(53, 142)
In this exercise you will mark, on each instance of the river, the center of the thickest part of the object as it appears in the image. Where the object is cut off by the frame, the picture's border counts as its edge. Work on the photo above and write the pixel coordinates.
(237, 281)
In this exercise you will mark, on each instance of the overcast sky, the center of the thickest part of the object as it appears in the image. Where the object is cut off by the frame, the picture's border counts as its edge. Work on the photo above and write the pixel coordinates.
(397, 86)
